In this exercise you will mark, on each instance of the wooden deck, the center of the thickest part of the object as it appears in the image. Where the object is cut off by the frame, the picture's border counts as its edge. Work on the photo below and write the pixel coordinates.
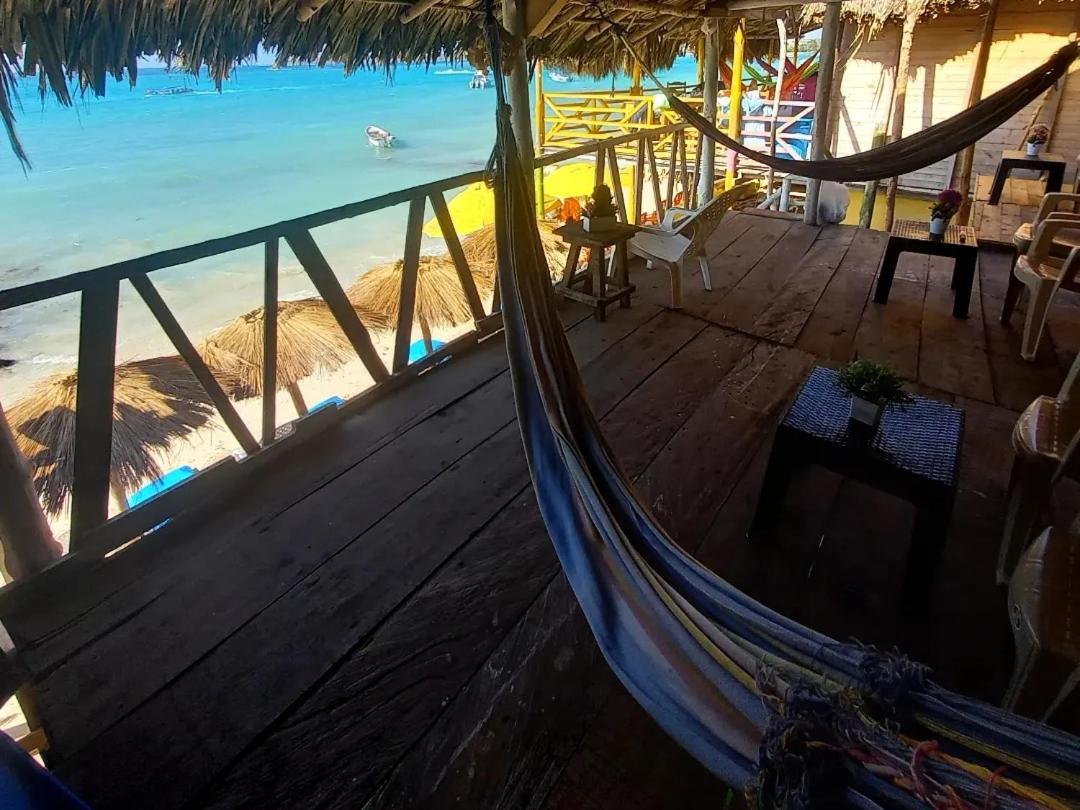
(379, 620)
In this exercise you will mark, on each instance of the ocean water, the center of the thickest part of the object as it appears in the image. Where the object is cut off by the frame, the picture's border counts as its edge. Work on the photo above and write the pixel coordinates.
(129, 174)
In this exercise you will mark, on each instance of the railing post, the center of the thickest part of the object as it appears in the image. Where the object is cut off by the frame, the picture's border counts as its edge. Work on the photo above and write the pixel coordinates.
(598, 176)
(94, 408)
(270, 351)
(27, 541)
(409, 276)
(616, 183)
(654, 175)
(453, 246)
(639, 178)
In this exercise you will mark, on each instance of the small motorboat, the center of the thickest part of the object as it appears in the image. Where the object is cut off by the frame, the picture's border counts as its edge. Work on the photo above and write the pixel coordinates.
(557, 76)
(170, 91)
(479, 80)
(377, 136)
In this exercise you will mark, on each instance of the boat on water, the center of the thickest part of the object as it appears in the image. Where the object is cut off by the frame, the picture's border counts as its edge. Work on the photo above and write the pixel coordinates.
(377, 136)
(170, 91)
(479, 80)
(558, 76)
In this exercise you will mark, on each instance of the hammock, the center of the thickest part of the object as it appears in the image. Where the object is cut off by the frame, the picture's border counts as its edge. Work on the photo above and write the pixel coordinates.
(759, 700)
(907, 154)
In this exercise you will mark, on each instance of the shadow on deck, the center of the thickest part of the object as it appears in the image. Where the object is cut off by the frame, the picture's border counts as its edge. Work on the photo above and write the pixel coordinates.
(379, 619)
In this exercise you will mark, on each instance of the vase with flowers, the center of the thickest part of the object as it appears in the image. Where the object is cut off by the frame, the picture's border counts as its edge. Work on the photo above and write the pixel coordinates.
(599, 211)
(944, 207)
(1037, 138)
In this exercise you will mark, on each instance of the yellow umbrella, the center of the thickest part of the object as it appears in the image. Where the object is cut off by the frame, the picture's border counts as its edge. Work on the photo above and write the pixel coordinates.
(472, 208)
(578, 180)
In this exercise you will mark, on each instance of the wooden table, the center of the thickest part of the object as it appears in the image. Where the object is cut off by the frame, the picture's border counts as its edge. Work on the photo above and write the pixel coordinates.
(914, 454)
(959, 243)
(594, 286)
(1012, 159)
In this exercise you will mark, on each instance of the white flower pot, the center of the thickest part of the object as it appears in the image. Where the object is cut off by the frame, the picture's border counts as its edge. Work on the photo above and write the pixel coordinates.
(598, 223)
(864, 412)
(938, 226)
(1033, 149)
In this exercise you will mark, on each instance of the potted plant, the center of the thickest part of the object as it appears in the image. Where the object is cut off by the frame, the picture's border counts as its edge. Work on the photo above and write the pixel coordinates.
(943, 209)
(599, 211)
(872, 387)
(1037, 136)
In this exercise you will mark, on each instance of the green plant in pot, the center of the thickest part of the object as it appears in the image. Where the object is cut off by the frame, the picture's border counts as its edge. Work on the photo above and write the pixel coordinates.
(872, 387)
(599, 211)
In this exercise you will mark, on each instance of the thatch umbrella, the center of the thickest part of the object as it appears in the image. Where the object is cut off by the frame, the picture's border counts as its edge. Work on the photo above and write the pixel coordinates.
(479, 248)
(440, 301)
(308, 339)
(155, 401)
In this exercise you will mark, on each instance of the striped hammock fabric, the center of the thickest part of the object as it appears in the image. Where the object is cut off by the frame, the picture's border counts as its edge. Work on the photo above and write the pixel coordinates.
(764, 703)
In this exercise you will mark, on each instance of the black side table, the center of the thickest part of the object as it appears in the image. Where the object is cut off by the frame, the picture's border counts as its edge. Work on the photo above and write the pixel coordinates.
(960, 243)
(1011, 160)
(592, 287)
(914, 455)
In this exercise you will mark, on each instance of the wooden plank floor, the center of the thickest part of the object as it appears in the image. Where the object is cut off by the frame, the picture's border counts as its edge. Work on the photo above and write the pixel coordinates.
(379, 620)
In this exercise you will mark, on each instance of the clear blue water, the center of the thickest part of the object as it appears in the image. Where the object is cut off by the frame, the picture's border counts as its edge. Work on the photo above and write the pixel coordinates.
(130, 174)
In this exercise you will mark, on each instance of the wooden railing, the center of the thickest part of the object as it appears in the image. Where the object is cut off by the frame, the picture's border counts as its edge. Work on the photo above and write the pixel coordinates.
(92, 531)
(574, 119)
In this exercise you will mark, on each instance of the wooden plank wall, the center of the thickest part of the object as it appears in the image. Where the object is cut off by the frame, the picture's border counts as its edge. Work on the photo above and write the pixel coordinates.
(1026, 34)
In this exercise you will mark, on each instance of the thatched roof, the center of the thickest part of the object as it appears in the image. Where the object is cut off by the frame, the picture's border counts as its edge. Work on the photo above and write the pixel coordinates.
(873, 14)
(90, 40)
(479, 248)
(155, 402)
(440, 300)
(308, 340)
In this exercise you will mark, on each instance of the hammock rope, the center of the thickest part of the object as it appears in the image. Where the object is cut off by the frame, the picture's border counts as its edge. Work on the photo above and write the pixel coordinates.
(908, 154)
(762, 702)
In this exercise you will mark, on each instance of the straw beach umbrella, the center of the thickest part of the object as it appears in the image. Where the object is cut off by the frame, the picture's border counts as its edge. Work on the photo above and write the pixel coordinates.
(479, 249)
(155, 402)
(309, 339)
(440, 301)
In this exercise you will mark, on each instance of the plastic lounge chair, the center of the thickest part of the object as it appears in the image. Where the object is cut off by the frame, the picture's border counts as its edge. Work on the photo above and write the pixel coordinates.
(1051, 208)
(1043, 440)
(683, 234)
(1043, 274)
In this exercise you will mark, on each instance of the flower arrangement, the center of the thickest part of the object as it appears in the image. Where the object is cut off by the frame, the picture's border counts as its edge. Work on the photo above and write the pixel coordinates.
(1039, 135)
(872, 387)
(946, 204)
(599, 210)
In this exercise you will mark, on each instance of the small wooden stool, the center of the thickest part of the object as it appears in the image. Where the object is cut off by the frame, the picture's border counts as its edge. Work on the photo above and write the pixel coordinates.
(591, 287)
(1044, 609)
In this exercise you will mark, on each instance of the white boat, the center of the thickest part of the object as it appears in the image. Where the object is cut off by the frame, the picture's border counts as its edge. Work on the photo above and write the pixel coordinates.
(556, 76)
(479, 80)
(377, 136)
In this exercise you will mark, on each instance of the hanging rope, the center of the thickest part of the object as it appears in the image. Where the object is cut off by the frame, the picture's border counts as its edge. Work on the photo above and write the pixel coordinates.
(909, 154)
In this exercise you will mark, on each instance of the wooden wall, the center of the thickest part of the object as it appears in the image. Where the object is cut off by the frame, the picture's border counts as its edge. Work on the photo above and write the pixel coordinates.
(941, 62)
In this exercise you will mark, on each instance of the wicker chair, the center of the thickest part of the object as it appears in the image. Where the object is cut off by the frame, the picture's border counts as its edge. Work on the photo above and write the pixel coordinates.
(1044, 441)
(1043, 264)
(669, 245)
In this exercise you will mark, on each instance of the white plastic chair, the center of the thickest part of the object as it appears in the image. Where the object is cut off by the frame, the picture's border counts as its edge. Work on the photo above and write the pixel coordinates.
(1043, 274)
(682, 235)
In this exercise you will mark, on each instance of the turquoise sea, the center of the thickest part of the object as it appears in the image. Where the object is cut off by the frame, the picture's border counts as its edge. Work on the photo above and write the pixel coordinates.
(131, 173)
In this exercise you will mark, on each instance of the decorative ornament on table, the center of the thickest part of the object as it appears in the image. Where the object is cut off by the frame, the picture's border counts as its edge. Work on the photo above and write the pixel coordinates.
(1037, 137)
(944, 207)
(599, 211)
(873, 387)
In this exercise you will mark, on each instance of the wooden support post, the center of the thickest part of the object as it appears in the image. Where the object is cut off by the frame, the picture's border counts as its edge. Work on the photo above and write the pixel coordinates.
(270, 320)
(539, 79)
(738, 55)
(966, 161)
(672, 165)
(616, 185)
(409, 277)
(514, 18)
(453, 247)
(899, 101)
(830, 29)
(598, 169)
(870, 188)
(654, 174)
(172, 329)
(699, 53)
(635, 79)
(707, 176)
(639, 178)
(25, 537)
(94, 408)
(778, 91)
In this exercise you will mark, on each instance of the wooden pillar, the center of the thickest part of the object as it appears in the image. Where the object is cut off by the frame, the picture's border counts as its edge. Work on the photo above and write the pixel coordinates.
(896, 123)
(635, 79)
(870, 188)
(518, 81)
(778, 92)
(540, 126)
(707, 176)
(25, 537)
(738, 55)
(830, 28)
(966, 161)
(699, 53)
